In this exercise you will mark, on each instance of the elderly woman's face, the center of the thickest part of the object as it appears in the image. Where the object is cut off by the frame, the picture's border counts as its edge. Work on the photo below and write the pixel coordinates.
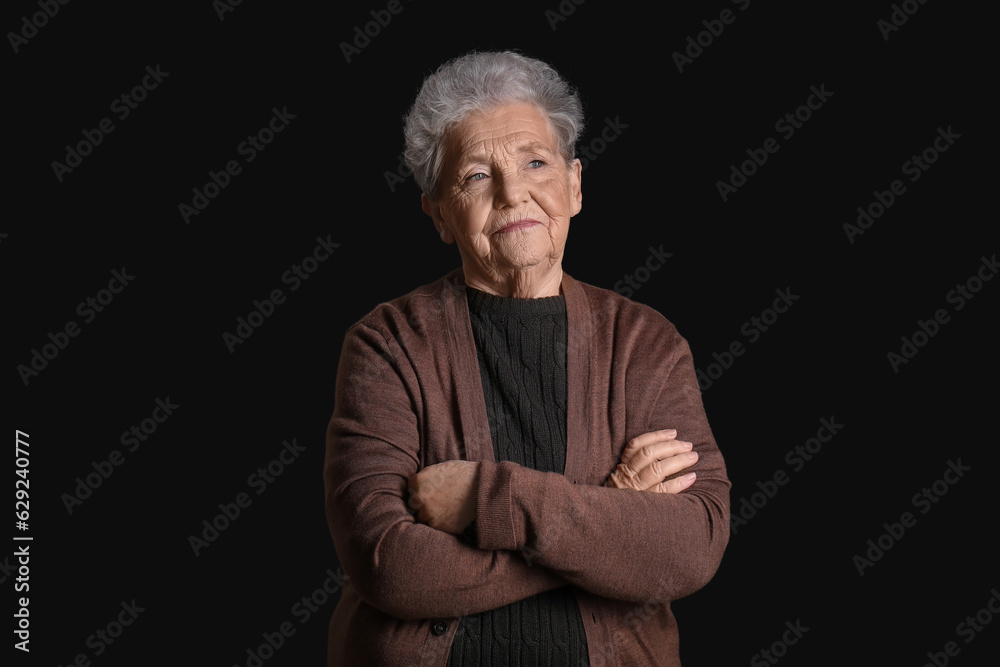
(506, 194)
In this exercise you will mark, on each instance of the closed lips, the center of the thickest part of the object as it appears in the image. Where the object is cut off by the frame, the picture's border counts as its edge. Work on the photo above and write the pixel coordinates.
(519, 224)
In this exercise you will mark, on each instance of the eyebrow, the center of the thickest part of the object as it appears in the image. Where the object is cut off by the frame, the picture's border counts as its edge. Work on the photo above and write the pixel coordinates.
(534, 146)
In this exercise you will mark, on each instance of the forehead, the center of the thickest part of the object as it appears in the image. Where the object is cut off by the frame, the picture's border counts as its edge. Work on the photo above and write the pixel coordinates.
(508, 129)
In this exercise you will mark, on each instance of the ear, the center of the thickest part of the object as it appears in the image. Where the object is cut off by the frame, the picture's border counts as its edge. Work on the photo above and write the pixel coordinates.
(432, 209)
(575, 191)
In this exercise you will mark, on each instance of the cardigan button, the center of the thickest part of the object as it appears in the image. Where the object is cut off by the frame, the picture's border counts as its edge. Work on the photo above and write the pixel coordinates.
(439, 628)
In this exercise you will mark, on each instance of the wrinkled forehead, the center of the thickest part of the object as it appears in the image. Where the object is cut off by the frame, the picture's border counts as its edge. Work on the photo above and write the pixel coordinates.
(501, 134)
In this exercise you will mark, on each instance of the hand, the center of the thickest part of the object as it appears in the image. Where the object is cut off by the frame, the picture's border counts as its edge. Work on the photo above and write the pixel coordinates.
(444, 495)
(651, 457)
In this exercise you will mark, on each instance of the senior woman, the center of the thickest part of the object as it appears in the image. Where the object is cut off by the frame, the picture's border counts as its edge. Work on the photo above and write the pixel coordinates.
(519, 468)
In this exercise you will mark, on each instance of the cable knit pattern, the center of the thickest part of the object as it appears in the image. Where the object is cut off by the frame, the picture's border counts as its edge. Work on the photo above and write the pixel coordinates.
(521, 346)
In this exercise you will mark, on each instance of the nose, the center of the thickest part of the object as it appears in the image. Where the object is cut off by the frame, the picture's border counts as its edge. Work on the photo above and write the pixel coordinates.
(510, 190)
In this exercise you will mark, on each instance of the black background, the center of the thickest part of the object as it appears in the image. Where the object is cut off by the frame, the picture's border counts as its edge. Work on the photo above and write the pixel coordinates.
(325, 175)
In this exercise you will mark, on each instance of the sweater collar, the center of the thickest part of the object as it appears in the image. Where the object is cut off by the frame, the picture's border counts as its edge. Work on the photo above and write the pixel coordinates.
(489, 305)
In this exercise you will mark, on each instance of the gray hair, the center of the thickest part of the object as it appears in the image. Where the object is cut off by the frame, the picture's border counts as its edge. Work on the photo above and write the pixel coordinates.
(481, 82)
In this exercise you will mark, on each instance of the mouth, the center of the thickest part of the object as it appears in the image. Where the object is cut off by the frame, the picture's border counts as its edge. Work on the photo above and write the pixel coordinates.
(518, 225)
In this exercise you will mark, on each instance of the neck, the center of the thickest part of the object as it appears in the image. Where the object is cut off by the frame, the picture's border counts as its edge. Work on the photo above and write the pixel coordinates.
(527, 284)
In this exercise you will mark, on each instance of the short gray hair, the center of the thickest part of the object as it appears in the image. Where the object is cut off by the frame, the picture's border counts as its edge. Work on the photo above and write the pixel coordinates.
(482, 82)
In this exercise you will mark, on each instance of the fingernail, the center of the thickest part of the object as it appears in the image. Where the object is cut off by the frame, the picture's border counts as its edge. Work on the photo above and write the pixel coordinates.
(692, 456)
(688, 445)
(690, 476)
(670, 432)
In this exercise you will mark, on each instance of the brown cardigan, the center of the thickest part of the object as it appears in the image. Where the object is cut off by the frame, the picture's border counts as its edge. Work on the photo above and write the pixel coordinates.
(409, 395)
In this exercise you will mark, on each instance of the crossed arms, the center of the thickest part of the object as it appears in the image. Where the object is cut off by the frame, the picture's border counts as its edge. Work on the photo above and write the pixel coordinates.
(535, 530)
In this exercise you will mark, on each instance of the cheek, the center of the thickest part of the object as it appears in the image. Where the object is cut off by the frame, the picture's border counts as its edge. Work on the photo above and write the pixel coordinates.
(469, 214)
(554, 198)
(460, 210)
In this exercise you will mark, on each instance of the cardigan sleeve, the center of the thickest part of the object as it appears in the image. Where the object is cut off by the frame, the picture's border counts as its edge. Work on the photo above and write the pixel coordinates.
(401, 567)
(619, 543)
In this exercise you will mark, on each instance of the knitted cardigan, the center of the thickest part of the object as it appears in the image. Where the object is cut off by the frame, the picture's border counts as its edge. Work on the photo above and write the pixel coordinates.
(409, 395)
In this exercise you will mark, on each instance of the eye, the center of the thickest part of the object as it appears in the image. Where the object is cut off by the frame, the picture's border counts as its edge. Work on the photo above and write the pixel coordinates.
(536, 162)
(476, 177)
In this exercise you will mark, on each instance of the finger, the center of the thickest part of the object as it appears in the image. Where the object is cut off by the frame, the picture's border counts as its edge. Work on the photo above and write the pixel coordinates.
(659, 470)
(629, 476)
(640, 441)
(644, 450)
(653, 451)
(675, 485)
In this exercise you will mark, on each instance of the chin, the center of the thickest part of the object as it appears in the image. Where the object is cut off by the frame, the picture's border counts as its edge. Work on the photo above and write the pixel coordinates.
(524, 261)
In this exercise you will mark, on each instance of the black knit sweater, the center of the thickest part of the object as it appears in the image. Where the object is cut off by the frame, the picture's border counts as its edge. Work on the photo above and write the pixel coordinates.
(521, 344)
